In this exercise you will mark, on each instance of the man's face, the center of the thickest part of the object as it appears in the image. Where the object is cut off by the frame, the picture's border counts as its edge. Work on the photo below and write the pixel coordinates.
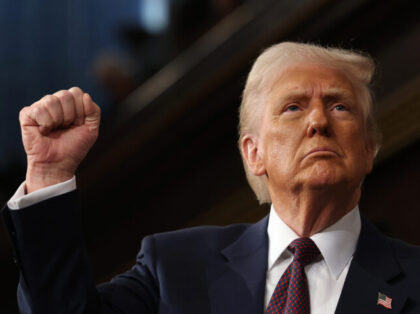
(312, 133)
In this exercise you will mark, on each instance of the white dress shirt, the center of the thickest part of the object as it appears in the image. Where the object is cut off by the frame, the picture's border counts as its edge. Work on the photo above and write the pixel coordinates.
(326, 275)
(21, 200)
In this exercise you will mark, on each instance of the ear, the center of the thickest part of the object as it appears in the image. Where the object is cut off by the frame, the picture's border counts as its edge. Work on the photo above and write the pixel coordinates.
(251, 154)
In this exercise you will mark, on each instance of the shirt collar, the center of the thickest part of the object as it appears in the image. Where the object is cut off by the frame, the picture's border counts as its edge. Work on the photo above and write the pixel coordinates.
(336, 243)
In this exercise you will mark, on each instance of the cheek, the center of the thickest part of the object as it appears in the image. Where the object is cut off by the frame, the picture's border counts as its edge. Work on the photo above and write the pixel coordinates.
(279, 148)
(355, 145)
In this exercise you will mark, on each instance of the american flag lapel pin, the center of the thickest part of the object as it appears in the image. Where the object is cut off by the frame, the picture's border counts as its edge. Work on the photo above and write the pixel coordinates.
(384, 300)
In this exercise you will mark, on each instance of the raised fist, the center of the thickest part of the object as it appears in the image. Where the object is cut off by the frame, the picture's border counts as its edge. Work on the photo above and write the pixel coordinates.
(57, 133)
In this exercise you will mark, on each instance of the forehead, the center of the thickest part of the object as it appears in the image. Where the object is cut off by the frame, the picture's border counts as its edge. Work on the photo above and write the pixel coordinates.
(312, 78)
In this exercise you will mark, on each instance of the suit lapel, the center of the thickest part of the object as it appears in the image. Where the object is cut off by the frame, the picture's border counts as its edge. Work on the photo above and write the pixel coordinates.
(237, 285)
(373, 267)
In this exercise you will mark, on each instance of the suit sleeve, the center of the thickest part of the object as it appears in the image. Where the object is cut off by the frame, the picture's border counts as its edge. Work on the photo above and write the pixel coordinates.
(55, 271)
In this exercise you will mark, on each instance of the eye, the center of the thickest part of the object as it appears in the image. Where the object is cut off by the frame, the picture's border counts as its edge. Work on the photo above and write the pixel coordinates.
(292, 108)
(340, 107)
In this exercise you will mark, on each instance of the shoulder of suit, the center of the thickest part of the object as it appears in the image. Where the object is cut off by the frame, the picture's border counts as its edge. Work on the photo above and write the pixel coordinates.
(405, 250)
(214, 233)
(197, 240)
(401, 249)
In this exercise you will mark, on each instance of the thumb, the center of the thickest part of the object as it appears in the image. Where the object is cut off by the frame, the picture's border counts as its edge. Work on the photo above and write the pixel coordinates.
(92, 113)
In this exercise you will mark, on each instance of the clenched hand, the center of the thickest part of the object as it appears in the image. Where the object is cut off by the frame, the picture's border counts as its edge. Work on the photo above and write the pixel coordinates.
(57, 133)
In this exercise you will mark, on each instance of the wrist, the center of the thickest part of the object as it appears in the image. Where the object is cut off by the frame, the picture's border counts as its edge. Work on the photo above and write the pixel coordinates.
(38, 177)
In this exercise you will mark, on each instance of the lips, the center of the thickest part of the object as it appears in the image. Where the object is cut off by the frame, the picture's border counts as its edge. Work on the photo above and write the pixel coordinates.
(321, 150)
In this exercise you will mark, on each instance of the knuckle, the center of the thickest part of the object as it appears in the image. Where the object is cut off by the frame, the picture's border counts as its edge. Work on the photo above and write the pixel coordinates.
(43, 106)
(48, 101)
(37, 111)
(31, 108)
(77, 94)
(64, 95)
(23, 111)
(75, 90)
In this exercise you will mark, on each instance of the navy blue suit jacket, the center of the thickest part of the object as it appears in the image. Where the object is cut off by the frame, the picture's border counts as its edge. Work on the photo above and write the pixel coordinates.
(204, 270)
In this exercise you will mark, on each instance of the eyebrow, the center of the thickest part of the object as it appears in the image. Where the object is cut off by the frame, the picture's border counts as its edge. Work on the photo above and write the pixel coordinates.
(331, 93)
(339, 93)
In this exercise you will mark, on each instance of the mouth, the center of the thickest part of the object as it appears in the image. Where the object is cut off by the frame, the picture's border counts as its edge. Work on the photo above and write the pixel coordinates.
(321, 152)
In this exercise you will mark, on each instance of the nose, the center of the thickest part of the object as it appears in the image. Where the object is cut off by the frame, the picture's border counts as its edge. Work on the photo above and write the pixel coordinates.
(318, 121)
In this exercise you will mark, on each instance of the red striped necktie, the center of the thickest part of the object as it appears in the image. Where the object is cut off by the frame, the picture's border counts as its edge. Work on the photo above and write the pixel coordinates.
(291, 295)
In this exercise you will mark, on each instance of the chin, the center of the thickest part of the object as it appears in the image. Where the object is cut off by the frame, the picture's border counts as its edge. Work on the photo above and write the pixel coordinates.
(321, 184)
(322, 177)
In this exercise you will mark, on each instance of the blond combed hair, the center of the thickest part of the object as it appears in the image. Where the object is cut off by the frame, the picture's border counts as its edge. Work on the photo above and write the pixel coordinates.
(358, 67)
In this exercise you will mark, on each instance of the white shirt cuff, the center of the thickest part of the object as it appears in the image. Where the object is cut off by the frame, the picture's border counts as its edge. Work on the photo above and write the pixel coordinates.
(21, 200)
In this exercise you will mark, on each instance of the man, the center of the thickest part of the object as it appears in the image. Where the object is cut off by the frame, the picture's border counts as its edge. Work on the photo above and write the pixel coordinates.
(307, 138)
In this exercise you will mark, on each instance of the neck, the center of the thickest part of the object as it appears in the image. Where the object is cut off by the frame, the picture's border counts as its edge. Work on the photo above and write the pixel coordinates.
(311, 211)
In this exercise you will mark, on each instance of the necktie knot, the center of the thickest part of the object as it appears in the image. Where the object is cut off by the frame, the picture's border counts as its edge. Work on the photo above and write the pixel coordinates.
(304, 250)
